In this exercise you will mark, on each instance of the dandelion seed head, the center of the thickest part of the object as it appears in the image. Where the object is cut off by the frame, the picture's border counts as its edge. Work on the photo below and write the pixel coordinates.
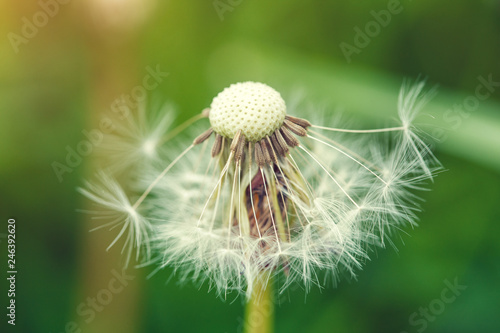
(276, 194)
(252, 107)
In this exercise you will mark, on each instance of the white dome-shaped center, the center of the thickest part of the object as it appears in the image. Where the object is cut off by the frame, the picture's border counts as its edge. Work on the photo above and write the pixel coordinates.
(252, 107)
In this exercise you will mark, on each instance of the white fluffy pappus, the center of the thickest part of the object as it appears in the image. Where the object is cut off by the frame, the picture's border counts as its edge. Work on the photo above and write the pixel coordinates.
(136, 137)
(115, 209)
(298, 199)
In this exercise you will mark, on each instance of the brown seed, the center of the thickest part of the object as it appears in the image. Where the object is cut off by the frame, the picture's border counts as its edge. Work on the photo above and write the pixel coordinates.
(272, 150)
(234, 143)
(299, 121)
(265, 151)
(240, 148)
(281, 143)
(276, 146)
(216, 149)
(288, 137)
(203, 136)
(250, 152)
(259, 155)
(296, 129)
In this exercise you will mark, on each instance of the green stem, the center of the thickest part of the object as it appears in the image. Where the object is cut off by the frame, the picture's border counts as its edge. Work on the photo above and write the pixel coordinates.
(259, 313)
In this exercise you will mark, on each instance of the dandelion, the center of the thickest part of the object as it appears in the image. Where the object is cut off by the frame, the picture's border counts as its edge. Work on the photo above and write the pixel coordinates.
(271, 194)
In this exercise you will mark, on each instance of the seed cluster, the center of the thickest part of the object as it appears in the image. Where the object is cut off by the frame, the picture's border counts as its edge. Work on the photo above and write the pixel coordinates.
(252, 117)
(268, 149)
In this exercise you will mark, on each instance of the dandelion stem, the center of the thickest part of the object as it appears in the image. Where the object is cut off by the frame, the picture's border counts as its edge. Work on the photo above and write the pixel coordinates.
(259, 313)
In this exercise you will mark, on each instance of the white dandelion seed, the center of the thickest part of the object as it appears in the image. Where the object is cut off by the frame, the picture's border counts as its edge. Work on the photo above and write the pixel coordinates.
(136, 138)
(115, 208)
(270, 193)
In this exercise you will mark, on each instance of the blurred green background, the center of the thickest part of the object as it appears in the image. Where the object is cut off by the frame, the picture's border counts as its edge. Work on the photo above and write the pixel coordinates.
(61, 71)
